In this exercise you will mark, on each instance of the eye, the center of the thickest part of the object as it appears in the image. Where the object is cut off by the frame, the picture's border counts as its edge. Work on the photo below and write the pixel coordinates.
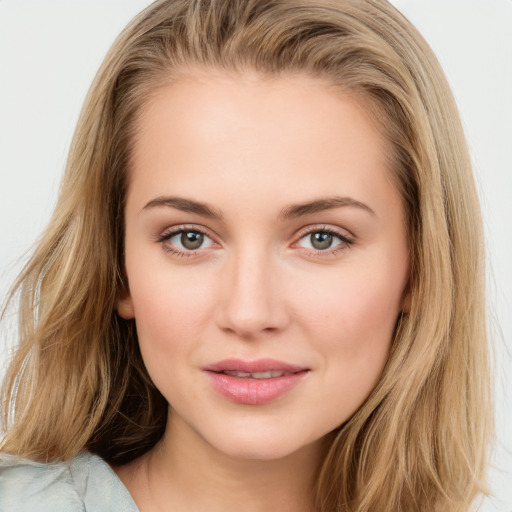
(320, 240)
(324, 240)
(180, 241)
(189, 240)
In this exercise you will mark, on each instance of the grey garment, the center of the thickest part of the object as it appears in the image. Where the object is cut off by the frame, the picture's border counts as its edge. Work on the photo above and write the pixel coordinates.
(84, 484)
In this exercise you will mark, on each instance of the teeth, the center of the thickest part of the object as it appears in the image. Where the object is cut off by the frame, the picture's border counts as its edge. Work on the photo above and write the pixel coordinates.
(256, 375)
(237, 374)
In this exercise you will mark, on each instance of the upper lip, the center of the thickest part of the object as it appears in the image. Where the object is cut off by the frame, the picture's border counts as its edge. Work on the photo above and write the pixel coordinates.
(258, 365)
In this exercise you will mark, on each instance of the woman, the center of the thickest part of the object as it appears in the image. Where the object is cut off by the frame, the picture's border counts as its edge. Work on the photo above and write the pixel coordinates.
(260, 279)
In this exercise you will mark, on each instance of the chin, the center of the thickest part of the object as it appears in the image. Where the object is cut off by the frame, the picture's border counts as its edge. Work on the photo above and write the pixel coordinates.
(259, 444)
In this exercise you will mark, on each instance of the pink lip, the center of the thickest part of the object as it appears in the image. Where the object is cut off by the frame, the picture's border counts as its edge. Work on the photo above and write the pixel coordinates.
(253, 391)
(260, 365)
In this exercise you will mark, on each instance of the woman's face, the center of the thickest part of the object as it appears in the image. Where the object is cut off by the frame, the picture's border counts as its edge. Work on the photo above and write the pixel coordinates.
(266, 257)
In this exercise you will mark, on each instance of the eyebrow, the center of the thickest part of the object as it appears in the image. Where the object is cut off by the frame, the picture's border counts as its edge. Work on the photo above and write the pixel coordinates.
(184, 205)
(320, 205)
(290, 212)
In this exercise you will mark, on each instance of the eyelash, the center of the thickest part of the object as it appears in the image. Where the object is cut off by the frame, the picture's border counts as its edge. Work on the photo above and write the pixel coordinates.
(170, 233)
(345, 241)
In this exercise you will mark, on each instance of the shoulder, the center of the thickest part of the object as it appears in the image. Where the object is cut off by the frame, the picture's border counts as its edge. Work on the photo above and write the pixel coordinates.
(84, 484)
(26, 486)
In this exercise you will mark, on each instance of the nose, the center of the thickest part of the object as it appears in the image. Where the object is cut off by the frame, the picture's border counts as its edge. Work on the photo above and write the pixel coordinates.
(251, 302)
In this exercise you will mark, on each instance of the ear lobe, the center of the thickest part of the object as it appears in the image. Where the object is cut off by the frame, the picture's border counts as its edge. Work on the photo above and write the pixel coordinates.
(124, 306)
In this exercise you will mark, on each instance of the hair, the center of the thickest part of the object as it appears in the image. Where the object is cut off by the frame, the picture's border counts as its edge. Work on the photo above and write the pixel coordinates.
(77, 380)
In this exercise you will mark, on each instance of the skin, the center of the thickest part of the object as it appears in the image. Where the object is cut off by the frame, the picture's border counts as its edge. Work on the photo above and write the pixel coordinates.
(251, 148)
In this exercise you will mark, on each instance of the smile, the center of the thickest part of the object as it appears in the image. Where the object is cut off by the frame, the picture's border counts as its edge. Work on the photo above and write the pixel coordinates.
(256, 375)
(254, 382)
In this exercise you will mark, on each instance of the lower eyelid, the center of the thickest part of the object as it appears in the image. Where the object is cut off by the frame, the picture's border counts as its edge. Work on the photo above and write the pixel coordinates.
(181, 254)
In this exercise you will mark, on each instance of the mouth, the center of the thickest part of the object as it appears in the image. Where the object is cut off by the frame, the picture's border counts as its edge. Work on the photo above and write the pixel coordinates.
(258, 369)
(254, 382)
(256, 375)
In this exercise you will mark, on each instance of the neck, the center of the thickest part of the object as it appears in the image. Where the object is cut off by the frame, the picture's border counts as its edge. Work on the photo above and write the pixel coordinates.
(185, 473)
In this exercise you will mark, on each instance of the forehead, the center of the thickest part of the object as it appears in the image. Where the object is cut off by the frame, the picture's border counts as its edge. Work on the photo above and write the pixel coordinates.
(290, 134)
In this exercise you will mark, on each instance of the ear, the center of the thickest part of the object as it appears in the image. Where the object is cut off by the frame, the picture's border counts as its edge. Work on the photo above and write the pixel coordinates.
(124, 305)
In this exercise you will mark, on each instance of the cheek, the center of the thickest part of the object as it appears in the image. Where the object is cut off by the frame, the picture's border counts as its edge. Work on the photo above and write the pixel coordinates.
(170, 320)
(354, 349)
(352, 321)
(164, 310)
(357, 305)
(171, 310)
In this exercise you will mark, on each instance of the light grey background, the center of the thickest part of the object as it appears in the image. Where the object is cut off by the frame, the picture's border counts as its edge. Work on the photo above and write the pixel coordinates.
(50, 51)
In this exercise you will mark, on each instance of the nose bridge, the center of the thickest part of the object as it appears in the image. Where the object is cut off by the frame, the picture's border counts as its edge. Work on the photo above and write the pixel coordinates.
(251, 303)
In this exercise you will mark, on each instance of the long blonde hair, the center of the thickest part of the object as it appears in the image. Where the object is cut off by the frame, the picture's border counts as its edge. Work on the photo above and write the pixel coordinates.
(77, 381)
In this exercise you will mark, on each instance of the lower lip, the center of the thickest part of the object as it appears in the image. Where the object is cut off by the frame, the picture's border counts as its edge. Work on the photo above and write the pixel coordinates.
(254, 391)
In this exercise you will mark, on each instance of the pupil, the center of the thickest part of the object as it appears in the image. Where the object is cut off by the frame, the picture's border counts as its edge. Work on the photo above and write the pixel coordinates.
(191, 240)
(321, 240)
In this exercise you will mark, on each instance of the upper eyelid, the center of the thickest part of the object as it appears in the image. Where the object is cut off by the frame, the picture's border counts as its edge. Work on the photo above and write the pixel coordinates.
(344, 234)
(174, 230)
